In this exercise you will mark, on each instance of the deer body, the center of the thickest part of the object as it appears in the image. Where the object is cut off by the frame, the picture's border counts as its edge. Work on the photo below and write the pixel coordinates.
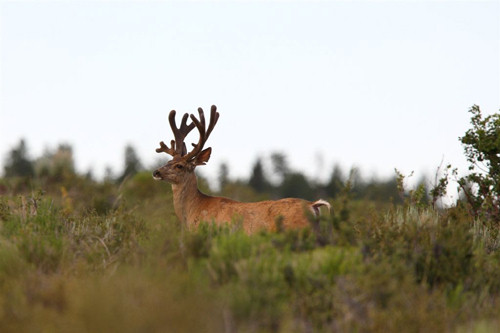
(193, 207)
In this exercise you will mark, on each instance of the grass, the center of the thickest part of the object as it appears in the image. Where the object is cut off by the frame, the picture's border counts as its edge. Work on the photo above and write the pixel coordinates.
(98, 258)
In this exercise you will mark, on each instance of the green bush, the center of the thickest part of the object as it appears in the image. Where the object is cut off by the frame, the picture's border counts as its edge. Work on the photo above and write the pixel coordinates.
(481, 187)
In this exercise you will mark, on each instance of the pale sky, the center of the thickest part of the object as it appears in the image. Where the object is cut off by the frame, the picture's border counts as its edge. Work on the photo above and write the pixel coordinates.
(378, 85)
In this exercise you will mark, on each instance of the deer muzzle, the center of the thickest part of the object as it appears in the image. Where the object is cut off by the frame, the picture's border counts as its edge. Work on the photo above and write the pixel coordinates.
(157, 175)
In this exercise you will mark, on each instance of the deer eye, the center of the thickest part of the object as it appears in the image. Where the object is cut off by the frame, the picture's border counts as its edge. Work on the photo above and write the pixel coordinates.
(180, 167)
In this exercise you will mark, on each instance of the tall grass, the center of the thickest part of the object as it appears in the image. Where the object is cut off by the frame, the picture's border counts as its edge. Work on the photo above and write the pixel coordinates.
(126, 265)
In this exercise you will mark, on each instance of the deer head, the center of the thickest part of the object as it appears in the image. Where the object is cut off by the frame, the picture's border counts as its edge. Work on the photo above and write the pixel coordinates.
(183, 162)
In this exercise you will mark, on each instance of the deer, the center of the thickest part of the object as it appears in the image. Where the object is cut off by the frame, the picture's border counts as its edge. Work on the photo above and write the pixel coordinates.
(193, 207)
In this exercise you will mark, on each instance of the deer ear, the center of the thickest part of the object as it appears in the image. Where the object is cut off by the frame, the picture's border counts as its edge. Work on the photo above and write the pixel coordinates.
(203, 157)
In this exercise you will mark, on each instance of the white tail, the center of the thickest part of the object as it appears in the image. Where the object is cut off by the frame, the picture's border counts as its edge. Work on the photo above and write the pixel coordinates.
(192, 206)
(316, 204)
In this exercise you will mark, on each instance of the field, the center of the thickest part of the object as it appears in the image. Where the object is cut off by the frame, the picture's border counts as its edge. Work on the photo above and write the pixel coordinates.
(84, 256)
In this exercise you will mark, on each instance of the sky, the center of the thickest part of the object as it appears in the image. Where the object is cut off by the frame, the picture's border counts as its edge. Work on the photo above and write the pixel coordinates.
(373, 84)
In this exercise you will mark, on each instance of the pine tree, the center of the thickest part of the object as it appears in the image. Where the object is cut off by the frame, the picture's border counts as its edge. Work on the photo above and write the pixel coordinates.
(18, 163)
(258, 180)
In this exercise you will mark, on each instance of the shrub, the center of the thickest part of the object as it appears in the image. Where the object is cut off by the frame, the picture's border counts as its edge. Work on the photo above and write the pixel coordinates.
(482, 148)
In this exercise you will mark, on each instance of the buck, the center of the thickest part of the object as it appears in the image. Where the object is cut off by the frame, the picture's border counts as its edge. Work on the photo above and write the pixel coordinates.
(193, 207)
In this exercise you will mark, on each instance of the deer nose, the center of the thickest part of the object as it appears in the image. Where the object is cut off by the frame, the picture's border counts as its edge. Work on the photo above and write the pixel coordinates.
(156, 174)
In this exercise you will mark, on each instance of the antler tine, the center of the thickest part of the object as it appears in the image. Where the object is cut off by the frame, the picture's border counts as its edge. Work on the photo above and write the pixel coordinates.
(204, 134)
(164, 148)
(180, 134)
(201, 123)
(185, 129)
(214, 117)
(177, 146)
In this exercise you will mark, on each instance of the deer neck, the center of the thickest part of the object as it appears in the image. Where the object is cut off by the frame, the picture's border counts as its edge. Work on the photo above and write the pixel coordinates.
(186, 197)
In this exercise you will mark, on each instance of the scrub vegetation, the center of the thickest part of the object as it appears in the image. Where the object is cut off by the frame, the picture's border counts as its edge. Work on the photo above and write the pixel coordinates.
(80, 255)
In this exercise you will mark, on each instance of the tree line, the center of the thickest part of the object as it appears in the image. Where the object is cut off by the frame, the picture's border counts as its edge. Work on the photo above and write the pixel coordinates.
(269, 178)
(272, 177)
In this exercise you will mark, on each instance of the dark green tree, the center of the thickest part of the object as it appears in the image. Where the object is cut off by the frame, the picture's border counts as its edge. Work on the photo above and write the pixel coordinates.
(223, 176)
(280, 166)
(296, 185)
(258, 180)
(356, 183)
(132, 163)
(108, 174)
(336, 183)
(18, 163)
(387, 191)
